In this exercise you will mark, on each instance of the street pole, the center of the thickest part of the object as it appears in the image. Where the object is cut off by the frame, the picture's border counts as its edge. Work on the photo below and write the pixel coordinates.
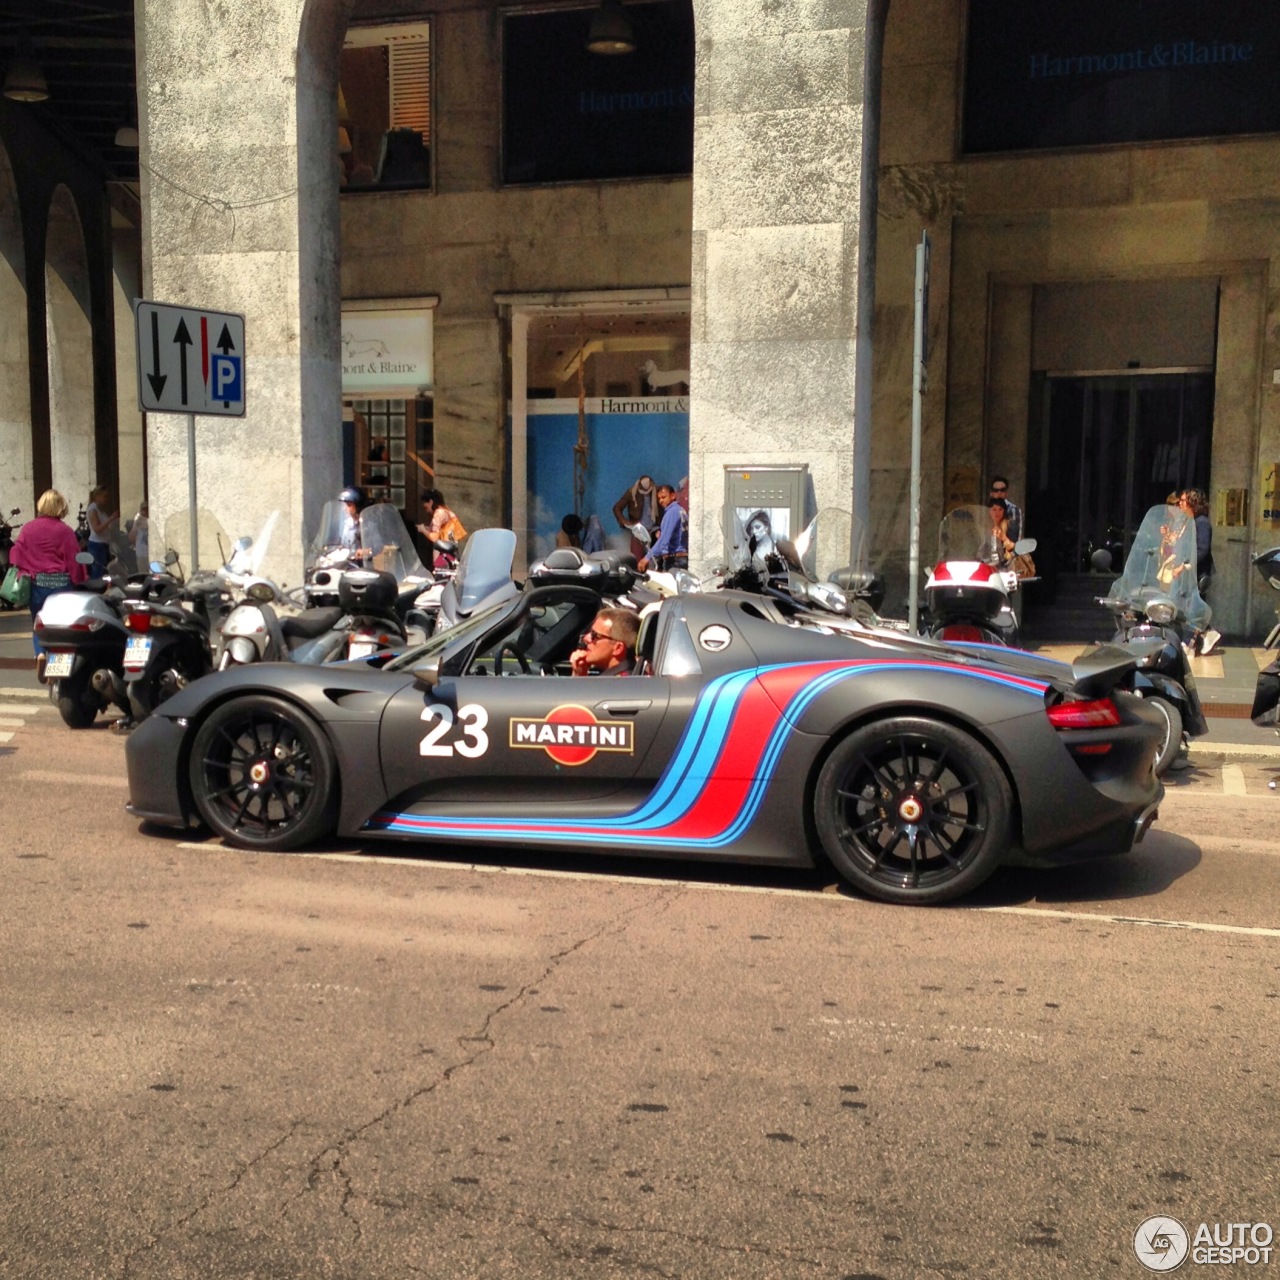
(919, 382)
(191, 492)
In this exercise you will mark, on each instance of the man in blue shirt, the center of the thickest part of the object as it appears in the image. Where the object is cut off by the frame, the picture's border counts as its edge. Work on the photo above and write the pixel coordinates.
(671, 551)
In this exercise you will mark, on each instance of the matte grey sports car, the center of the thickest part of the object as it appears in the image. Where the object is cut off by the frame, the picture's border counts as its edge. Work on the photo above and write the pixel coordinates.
(753, 731)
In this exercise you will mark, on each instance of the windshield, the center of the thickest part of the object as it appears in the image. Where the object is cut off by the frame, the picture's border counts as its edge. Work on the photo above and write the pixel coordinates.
(485, 565)
(1162, 562)
(383, 533)
(458, 637)
(967, 534)
(329, 532)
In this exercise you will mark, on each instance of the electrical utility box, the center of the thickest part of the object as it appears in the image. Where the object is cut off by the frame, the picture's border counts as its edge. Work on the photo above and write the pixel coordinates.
(763, 503)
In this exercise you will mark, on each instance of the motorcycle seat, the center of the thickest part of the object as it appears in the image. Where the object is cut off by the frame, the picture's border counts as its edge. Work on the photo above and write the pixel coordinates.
(310, 623)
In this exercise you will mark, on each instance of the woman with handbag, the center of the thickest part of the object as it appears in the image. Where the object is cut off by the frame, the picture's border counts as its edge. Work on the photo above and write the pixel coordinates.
(45, 553)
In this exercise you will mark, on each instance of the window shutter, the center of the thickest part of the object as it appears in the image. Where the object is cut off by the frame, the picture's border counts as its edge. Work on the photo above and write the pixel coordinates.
(411, 84)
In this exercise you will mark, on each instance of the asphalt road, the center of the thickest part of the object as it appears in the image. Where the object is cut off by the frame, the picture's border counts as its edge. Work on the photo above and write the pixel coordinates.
(386, 1062)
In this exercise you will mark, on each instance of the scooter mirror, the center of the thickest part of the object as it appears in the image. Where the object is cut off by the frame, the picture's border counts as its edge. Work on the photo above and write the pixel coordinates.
(426, 675)
(1101, 560)
(1024, 546)
(171, 557)
(243, 544)
(83, 557)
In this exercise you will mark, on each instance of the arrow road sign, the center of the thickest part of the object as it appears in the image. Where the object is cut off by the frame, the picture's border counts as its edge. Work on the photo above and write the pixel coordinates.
(179, 370)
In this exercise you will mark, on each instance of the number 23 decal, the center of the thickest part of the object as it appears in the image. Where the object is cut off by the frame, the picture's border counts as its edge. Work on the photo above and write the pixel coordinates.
(474, 741)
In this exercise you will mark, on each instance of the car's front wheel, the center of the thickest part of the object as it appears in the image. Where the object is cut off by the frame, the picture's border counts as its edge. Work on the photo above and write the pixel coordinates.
(262, 774)
(913, 810)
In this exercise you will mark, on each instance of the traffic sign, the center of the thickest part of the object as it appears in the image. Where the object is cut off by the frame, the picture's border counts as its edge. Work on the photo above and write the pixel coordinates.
(189, 360)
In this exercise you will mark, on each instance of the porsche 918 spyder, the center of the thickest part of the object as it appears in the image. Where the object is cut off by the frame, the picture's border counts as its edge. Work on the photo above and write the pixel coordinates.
(751, 731)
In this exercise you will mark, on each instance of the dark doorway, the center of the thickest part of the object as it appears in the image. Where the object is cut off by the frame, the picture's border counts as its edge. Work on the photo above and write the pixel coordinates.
(1102, 450)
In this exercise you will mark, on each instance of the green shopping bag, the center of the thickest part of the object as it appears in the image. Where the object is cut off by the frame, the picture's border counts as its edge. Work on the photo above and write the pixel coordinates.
(16, 588)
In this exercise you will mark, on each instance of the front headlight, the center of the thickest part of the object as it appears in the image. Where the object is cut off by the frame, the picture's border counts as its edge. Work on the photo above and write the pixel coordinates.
(260, 590)
(1161, 611)
(242, 649)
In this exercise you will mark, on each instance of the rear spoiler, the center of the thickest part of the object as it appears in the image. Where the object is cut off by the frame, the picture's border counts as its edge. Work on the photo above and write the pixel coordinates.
(1103, 668)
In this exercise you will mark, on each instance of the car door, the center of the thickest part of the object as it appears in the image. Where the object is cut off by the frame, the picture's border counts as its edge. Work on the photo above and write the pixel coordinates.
(511, 731)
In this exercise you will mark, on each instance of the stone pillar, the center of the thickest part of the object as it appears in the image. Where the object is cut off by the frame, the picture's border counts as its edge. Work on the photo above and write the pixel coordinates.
(238, 126)
(780, 110)
(16, 476)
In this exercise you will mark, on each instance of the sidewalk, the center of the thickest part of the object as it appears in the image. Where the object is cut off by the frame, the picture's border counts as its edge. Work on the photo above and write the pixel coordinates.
(1225, 681)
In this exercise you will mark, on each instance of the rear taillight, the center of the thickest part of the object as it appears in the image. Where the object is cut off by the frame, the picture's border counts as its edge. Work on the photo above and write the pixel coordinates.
(138, 621)
(961, 631)
(1102, 713)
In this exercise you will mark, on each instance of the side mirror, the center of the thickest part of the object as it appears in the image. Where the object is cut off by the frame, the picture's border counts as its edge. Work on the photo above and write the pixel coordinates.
(243, 544)
(83, 557)
(1024, 546)
(426, 675)
(171, 557)
(157, 566)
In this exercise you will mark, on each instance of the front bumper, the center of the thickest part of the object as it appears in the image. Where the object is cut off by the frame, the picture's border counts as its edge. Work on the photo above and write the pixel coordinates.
(155, 760)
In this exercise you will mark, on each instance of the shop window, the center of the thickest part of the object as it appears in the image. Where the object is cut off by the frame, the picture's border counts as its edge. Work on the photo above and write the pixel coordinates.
(394, 443)
(384, 107)
(571, 115)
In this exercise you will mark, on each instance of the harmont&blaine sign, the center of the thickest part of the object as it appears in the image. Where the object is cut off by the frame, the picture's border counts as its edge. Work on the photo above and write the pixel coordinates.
(386, 353)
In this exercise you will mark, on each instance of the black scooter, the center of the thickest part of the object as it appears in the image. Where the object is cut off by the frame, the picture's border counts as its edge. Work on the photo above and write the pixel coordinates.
(1266, 694)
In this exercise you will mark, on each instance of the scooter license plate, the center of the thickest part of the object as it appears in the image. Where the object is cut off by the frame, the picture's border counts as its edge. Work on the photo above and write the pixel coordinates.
(136, 651)
(58, 666)
(361, 648)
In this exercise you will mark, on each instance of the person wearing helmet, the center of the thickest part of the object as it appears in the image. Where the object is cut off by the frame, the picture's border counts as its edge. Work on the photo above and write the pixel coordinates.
(354, 500)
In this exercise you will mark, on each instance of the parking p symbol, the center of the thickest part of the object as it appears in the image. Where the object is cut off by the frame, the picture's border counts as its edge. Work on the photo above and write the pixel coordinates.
(225, 379)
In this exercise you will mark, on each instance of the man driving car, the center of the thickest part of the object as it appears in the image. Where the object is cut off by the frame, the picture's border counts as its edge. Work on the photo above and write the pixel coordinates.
(608, 646)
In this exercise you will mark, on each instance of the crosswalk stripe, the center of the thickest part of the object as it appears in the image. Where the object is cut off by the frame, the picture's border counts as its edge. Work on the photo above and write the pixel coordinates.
(24, 693)
(6, 737)
(9, 723)
(1233, 780)
(18, 709)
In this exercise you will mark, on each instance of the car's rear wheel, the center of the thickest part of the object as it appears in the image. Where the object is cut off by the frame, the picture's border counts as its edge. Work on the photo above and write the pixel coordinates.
(912, 810)
(1171, 743)
(262, 774)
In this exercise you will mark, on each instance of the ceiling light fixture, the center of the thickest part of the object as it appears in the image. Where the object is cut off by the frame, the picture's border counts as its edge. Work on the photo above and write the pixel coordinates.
(611, 31)
(25, 82)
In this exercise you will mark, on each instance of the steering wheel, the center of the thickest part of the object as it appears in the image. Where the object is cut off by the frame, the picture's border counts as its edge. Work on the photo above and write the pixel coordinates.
(521, 661)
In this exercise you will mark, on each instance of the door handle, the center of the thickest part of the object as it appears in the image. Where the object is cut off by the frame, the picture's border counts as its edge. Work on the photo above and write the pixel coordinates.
(624, 708)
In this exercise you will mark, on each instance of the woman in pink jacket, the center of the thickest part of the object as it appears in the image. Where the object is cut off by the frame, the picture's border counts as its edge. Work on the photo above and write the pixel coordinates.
(45, 551)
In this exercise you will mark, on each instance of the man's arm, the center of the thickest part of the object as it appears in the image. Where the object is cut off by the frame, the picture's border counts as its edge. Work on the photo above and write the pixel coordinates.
(667, 532)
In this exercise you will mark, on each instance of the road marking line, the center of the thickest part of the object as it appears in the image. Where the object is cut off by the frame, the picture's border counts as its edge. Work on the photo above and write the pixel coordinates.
(75, 779)
(1194, 925)
(17, 709)
(6, 737)
(837, 893)
(24, 693)
(1233, 780)
(12, 724)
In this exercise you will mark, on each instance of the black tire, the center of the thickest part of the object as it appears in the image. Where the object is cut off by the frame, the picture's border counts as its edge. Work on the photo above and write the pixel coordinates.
(1171, 744)
(263, 776)
(78, 701)
(912, 810)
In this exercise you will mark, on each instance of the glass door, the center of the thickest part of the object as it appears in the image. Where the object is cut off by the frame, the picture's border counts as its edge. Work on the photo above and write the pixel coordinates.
(1107, 448)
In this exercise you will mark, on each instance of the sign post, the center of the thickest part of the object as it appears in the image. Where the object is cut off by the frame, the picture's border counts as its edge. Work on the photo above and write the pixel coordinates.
(919, 384)
(181, 370)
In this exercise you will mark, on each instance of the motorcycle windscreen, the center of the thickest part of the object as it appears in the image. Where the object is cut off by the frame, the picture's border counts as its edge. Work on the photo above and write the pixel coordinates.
(484, 566)
(384, 533)
(1162, 563)
(966, 533)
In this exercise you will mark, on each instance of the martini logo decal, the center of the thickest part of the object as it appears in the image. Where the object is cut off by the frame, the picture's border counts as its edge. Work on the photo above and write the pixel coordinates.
(572, 735)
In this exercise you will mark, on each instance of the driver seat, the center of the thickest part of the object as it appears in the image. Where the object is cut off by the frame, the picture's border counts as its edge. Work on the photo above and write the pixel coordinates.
(646, 643)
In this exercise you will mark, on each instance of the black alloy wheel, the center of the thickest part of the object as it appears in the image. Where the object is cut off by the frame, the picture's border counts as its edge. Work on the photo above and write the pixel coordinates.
(912, 810)
(262, 774)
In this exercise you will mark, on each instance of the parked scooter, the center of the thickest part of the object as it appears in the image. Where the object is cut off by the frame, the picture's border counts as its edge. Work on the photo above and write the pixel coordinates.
(1266, 694)
(970, 598)
(84, 638)
(1154, 601)
(1267, 564)
(6, 541)
(170, 626)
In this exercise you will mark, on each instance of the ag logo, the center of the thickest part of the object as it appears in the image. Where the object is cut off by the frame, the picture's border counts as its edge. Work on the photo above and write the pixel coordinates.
(1161, 1244)
(572, 735)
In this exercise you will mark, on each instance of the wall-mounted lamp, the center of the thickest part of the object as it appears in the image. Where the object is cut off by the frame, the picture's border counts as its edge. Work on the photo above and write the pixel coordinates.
(611, 31)
(24, 81)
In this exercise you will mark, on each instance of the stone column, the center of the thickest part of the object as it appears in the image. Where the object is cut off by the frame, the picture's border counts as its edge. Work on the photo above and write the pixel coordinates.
(780, 109)
(238, 126)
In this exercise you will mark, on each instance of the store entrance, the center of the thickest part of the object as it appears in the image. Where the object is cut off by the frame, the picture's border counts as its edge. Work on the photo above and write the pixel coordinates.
(1104, 449)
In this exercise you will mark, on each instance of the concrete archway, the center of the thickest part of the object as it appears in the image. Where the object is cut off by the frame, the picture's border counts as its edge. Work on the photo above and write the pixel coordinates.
(69, 335)
(16, 482)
